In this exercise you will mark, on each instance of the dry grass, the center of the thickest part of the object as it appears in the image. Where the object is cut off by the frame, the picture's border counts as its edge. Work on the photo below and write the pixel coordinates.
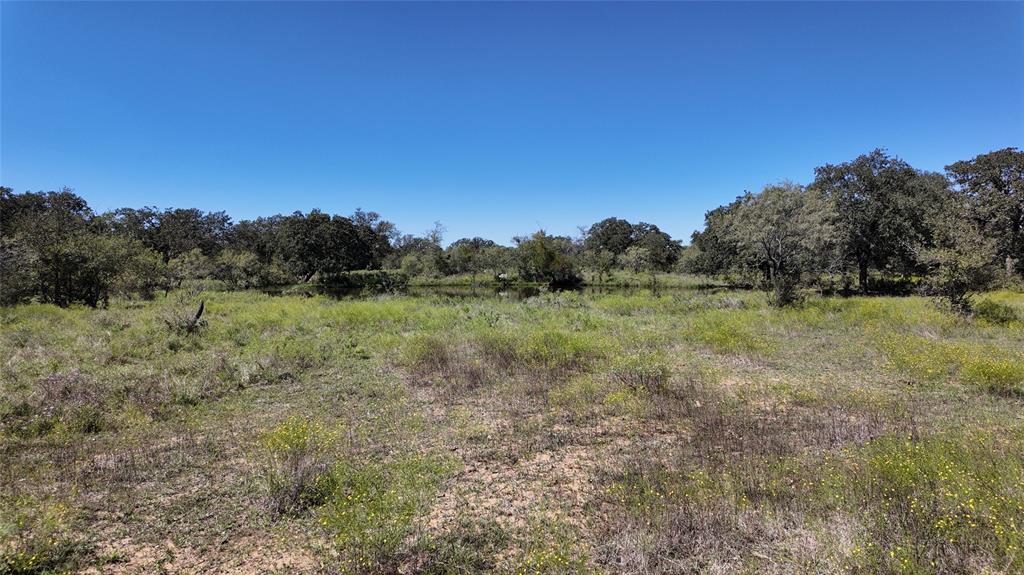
(690, 432)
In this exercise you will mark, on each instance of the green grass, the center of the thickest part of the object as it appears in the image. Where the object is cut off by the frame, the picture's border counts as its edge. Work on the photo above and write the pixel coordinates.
(621, 432)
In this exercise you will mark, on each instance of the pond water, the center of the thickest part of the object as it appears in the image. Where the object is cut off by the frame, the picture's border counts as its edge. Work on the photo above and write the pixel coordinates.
(514, 293)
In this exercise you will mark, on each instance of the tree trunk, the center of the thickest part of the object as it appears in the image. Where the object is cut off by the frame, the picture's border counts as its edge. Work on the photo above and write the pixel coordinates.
(862, 279)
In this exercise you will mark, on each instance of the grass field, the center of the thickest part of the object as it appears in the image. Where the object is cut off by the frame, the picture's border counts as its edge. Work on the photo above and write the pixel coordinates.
(684, 432)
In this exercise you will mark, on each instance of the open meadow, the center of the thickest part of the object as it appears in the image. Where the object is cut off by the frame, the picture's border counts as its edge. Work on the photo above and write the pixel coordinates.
(686, 431)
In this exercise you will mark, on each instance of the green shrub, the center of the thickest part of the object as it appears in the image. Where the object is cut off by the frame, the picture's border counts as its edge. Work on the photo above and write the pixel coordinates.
(994, 312)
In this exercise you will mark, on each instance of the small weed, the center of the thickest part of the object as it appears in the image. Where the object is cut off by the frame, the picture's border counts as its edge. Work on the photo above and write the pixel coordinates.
(471, 546)
(552, 548)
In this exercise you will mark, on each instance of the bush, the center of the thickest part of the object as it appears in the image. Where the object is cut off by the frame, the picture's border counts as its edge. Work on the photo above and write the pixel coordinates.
(995, 312)
(295, 470)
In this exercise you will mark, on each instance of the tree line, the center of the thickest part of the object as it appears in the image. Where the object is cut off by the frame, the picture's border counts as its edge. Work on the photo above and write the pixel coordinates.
(874, 224)
(54, 248)
(878, 221)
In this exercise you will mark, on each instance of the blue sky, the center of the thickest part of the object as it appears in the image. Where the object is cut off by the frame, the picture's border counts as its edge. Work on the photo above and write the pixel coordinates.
(495, 119)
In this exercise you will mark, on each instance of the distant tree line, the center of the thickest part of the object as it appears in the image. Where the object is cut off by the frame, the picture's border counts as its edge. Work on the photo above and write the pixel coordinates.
(54, 248)
(874, 224)
(878, 221)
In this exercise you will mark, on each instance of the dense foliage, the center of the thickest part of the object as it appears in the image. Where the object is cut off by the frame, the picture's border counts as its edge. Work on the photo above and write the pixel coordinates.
(875, 220)
(879, 220)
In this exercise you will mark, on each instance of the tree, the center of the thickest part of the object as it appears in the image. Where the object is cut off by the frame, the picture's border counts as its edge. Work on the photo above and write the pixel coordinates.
(881, 205)
(715, 250)
(611, 234)
(992, 186)
(239, 269)
(781, 231)
(375, 235)
(638, 259)
(182, 230)
(261, 236)
(18, 271)
(546, 258)
(318, 244)
(663, 250)
(138, 224)
(189, 266)
(598, 261)
(466, 255)
(775, 238)
(962, 260)
(86, 268)
(499, 260)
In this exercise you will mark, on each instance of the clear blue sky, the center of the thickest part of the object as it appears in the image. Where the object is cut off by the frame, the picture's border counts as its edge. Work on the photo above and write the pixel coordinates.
(496, 119)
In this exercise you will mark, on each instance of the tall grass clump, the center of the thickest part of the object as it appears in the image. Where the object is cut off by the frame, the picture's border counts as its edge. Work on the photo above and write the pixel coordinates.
(728, 331)
(557, 351)
(642, 370)
(498, 346)
(70, 401)
(427, 353)
(295, 466)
